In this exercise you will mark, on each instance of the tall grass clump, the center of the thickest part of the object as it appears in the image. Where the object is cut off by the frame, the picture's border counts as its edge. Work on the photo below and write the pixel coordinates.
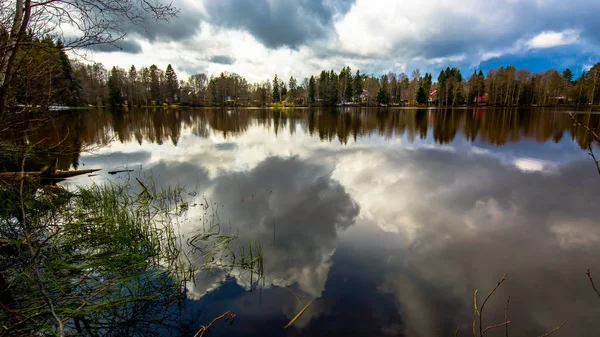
(89, 260)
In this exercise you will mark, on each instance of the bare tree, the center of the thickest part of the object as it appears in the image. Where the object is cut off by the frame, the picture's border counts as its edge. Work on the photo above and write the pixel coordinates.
(79, 23)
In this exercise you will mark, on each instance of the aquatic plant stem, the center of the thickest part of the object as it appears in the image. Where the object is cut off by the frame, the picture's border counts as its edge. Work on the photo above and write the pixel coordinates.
(35, 255)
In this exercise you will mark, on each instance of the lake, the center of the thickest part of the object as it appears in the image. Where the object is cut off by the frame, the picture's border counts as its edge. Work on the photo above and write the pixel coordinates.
(388, 219)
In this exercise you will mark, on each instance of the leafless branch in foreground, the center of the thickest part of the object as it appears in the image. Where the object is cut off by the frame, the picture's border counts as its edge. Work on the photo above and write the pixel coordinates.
(479, 312)
(228, 316)
(589, 275)
(506, 314)
(555, 330)
(475, 312)
(593, 134)
(481, 331)
(496, 326)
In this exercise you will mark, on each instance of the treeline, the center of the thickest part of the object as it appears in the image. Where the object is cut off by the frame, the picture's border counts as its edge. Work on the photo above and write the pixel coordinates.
(495, 126)
(45, 73)
(46, 76)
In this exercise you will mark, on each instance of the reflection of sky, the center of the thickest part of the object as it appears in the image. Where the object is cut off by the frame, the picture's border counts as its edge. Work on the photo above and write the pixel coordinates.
(392, 235)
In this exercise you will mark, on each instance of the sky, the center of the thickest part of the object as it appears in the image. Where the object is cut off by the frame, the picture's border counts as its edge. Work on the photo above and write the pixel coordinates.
(260, 38)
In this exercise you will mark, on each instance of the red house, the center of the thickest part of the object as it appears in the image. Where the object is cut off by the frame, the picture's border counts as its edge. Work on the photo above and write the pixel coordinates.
(481, 99)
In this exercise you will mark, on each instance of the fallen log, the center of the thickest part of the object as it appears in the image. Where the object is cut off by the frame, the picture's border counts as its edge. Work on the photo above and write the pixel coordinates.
(44, 175)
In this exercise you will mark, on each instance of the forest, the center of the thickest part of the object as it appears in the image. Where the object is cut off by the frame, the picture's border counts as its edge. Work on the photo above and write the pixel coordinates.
(47, 76)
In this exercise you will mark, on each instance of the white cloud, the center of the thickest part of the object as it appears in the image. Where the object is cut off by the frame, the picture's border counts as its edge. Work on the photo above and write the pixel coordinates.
(549, 39)
(374, 36)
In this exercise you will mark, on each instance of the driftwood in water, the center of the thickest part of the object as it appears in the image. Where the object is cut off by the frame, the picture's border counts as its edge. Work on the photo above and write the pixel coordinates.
(119, 171)
(43, 175)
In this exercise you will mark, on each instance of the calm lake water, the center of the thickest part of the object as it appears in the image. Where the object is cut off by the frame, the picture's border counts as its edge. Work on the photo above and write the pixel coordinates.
(388, 218)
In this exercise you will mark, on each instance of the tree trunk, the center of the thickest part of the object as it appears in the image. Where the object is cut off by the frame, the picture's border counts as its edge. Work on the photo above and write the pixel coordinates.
(19, 27)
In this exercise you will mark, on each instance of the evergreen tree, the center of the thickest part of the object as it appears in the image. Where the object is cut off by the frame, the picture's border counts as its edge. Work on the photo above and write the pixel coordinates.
(382, 95)
(568, 75)
(70, 88)
(311, 90)
(132, 97)
(333, 85)
(115, 97)
(357, 86)
(276, 95)
(421, 95)
(154, 83)
(427, 83)
(172, 84)
(293, 84)
(283, 90)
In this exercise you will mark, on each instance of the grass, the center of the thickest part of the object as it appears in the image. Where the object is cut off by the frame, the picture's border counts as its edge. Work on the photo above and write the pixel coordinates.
(96, 253)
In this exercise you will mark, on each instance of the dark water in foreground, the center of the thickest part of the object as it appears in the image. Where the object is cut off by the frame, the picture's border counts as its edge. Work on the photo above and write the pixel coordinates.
(388, 218)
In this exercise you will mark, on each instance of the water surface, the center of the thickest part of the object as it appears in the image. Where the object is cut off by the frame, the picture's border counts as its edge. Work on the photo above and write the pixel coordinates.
(389, 218)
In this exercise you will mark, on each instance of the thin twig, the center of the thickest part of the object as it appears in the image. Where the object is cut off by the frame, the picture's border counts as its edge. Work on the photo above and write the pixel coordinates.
(506, 314)
(593, 134)
(589, 275)
(496, 326)
(227, 316)
(555, 330)
(591, 153)
(475, 312)
(485, 301)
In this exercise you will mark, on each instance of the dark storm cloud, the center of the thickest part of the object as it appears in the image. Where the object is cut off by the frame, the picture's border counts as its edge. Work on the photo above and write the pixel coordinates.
(524, 20)
(222, 59)
(179, 28)
(294, 209)
(126, 46)
(277, 23)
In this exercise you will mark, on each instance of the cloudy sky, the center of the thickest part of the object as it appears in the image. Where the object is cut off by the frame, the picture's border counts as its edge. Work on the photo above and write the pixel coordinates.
(260, 38)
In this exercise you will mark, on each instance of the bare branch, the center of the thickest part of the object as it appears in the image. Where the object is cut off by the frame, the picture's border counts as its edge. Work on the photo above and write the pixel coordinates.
(593, 134)
(589, 275)
(555, 330)
(506, 314)
(485, 301)
(495, 326)
(475, 312)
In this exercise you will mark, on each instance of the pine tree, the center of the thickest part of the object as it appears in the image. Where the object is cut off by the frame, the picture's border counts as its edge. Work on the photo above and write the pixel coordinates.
(70, 90)
(568, 75)
(276, 95)
(311, 90)
(293, 84)
(382, 95)
(421, 95)
(154, 83)
(357, 86)
(172, 84)
(132, 96)
(283, 90)
(115, 98)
